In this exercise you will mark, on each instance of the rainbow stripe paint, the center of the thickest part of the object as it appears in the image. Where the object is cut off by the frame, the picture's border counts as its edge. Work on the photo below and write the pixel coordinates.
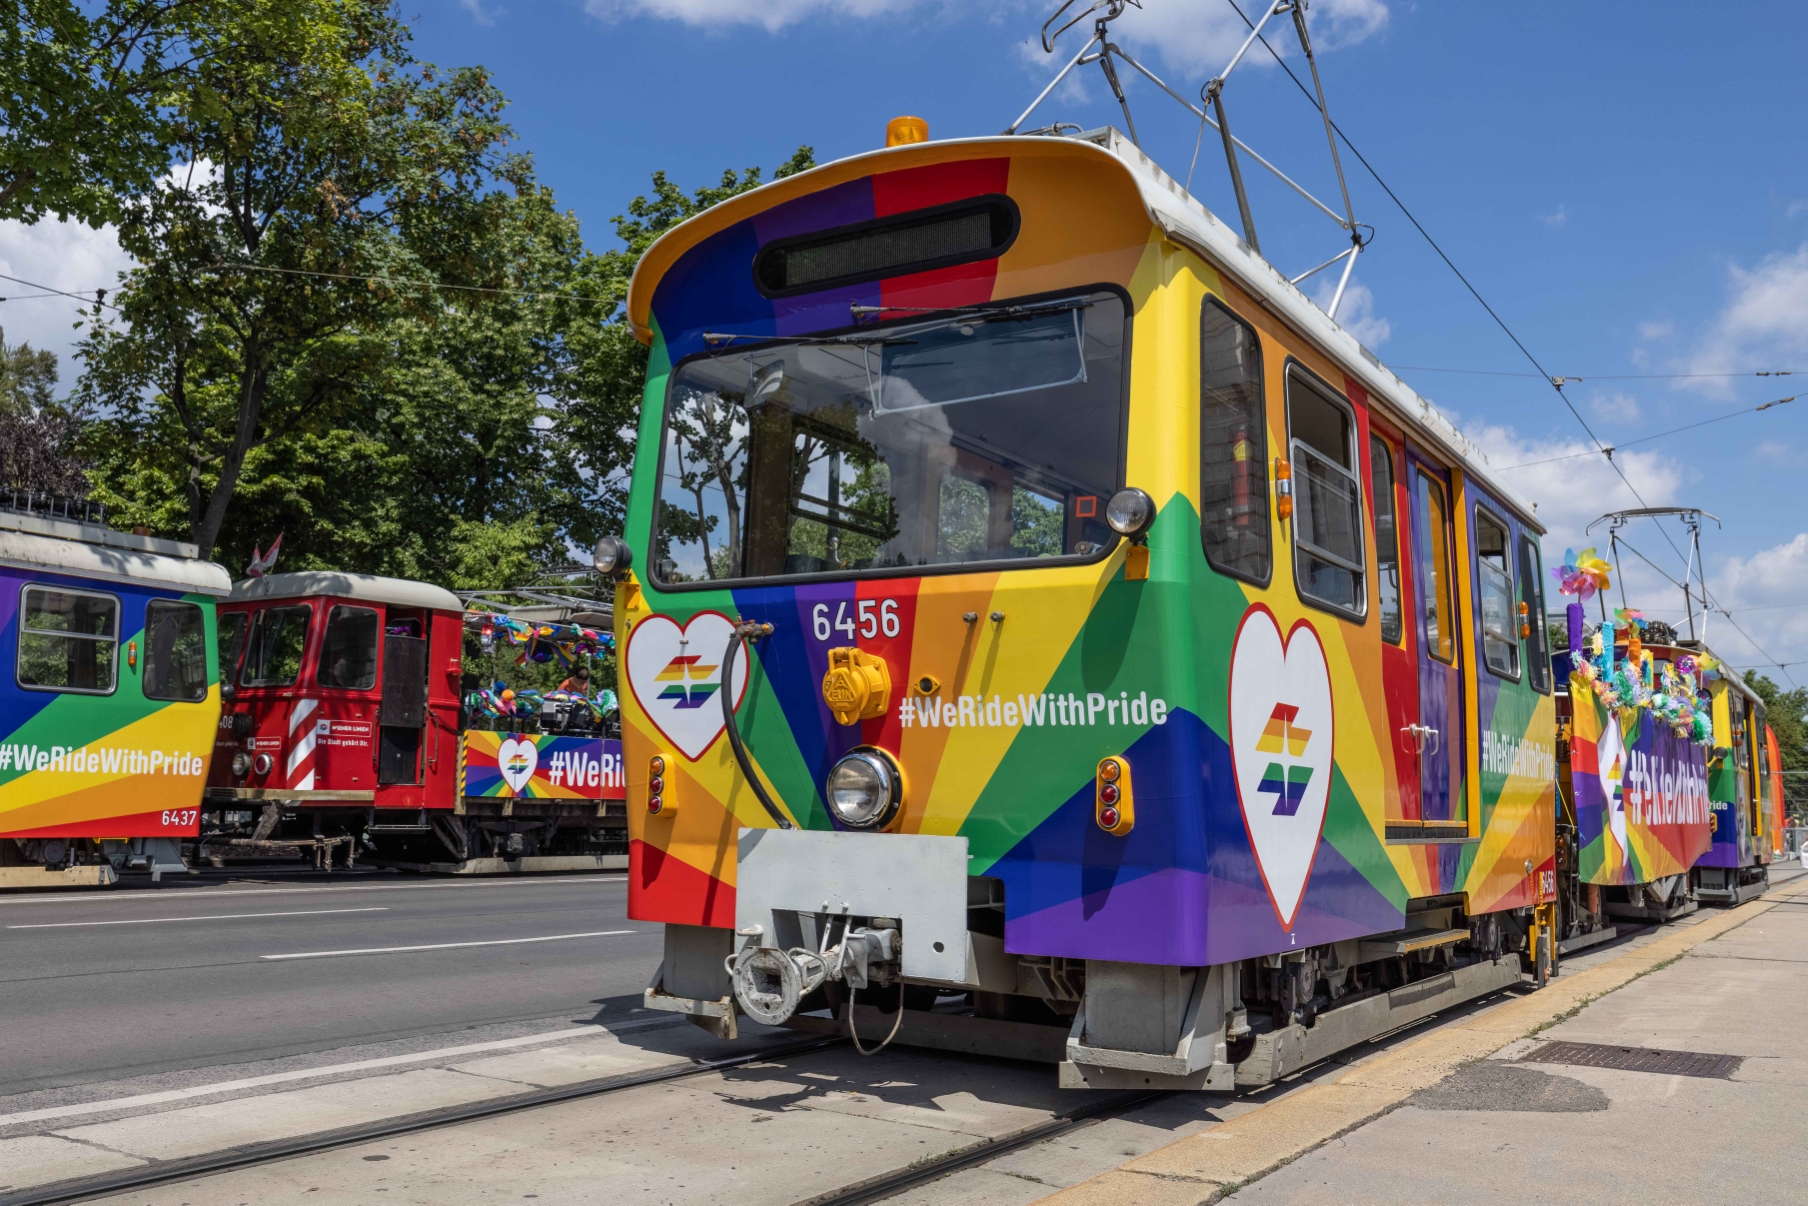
(541, 766)
(1266, 757)
(1642, 806)
(102, 765)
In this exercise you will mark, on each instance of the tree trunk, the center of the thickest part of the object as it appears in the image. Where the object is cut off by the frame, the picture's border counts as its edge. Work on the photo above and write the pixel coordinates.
(251, 405)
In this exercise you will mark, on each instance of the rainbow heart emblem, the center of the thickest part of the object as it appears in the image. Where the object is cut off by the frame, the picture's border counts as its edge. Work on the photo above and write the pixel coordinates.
(676, 676)
(1281, 742)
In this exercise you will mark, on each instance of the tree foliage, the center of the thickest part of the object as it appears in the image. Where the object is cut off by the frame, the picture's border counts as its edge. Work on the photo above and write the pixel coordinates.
(305, 164)
(38, 437)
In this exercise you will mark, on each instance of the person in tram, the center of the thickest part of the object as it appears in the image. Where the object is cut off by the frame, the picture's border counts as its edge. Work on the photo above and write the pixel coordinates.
(578, 683)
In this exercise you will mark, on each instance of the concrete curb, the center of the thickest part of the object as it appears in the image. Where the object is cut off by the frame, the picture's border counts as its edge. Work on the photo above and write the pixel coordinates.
(1201, 1168)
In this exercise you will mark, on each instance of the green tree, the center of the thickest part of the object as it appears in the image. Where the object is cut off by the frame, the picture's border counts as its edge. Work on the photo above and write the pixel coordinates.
(38, 438)
(305, 164)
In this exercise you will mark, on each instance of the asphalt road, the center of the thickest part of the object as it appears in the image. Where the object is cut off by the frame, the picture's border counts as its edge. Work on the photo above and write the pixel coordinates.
(110, 985)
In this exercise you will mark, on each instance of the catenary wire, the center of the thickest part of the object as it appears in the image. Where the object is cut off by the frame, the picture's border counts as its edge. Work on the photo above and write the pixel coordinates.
(1613, 448)
(1556, 383)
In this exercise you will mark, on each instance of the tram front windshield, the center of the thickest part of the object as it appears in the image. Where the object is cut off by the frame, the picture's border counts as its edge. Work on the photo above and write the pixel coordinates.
(993, 434)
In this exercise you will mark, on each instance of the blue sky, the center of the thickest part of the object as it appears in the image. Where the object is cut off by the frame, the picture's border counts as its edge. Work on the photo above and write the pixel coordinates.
(1624, 184)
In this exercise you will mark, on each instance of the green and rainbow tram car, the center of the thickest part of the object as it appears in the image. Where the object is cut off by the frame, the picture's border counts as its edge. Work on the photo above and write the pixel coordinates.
(1045, 632)
(110, 700)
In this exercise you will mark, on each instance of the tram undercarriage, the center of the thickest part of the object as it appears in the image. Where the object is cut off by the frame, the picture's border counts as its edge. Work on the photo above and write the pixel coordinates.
(486, 835)
(871, 947)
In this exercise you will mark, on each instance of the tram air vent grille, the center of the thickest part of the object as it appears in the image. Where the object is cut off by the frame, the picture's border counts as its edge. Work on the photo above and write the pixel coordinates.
(1637, 1059)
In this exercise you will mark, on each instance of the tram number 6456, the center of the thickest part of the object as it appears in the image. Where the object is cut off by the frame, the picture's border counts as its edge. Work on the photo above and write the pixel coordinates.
(871, 617)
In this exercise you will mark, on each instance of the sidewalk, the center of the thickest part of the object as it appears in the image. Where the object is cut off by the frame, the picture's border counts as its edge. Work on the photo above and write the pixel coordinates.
(1485, 1132)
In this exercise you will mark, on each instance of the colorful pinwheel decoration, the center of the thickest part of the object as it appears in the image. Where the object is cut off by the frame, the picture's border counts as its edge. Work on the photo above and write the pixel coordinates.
(1581, 574)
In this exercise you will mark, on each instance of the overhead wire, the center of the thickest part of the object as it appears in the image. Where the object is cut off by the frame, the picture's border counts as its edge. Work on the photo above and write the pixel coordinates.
(1556, 382)
(1613, 448)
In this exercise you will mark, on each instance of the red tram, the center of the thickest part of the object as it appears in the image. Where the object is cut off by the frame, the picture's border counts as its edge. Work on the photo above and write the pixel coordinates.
(342, 733)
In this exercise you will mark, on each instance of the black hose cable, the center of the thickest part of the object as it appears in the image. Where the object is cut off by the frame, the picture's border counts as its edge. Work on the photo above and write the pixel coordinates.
(745, 631)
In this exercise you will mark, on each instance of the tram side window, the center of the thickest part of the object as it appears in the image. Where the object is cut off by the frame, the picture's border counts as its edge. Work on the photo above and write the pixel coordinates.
(348, 653)
(230, 640)
(1500, 621)
(1531, 586)
(175, 652)
(1233, 450)
(1327, 522)
(273, 652)
(1387, 538)
(68, 641)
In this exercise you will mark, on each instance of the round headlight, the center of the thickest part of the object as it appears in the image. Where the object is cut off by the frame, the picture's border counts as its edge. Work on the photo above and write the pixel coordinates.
(1130, 512)
(865, 789)
(612, 555)
(241, 764)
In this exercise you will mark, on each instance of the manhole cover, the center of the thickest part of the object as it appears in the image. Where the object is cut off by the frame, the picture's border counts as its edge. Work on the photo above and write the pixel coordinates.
(1637, 1059)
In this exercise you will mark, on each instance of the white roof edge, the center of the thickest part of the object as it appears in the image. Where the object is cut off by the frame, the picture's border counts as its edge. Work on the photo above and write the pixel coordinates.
(402, 592)
(57, 555)
(1191, 224)
(94, 533)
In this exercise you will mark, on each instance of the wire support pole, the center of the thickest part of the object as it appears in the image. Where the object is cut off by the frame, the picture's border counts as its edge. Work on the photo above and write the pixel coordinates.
(1214, 94)
(1344, 281)
(1205, 117)
(1254, 33)
(1071, 64)
(1324, 109)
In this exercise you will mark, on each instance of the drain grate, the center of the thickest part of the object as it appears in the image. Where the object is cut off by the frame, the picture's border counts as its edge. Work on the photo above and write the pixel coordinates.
(1637, 1059)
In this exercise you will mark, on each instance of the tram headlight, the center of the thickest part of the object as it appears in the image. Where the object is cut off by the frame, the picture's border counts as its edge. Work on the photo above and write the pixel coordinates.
(612, 555)
(262, 763)
(865, 789)
(1130, 512)
(241, 764)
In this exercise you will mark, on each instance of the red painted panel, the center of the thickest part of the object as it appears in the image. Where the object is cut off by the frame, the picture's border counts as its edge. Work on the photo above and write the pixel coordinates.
(885, 731)
(667, 889)
(940, 184)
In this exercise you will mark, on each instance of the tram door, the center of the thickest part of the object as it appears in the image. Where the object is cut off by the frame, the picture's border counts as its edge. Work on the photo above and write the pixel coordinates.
(1439, 737)
(403, 712)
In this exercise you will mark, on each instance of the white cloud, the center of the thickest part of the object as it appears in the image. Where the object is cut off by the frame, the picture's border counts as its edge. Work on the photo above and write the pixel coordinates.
(1773, 450)
(1041, 66)
(1656, 330)
(1615, 407)
(61, 255)
(1764, 323)
(1356, 314)
(1556, 217)
(1197, 37)
(1573, 486)
(772, 15)
(1771, 583)
(1796, 209)
(480, 14)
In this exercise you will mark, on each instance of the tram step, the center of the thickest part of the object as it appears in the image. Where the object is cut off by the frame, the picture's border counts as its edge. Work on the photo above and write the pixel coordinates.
(1405, 942)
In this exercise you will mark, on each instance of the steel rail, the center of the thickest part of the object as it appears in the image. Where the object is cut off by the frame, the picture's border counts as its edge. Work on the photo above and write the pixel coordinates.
(166, 1172)
(890, 1184)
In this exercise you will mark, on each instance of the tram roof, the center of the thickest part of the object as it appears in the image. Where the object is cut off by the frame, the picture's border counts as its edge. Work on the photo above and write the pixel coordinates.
(1176, 212)
(307, 584)
(88, 550)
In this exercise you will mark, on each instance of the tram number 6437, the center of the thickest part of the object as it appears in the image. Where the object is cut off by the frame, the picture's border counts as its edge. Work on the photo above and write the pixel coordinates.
(180, 816)
(871, 617)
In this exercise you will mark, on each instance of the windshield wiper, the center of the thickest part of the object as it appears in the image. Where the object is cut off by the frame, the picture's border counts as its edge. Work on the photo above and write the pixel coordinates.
(718, 338)
(987, 310)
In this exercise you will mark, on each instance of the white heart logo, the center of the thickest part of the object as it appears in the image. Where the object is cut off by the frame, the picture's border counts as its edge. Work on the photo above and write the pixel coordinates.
(676, 674)
(516, 758)
(1610, 762)
(1281, 742)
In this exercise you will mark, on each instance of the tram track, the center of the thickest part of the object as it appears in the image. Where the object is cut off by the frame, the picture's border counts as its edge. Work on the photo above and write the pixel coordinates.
(167, 1172)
